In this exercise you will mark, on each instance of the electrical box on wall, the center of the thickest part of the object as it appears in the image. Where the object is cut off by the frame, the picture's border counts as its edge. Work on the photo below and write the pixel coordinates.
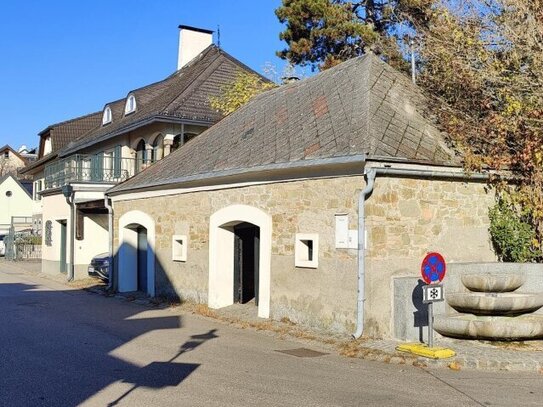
(345, 238)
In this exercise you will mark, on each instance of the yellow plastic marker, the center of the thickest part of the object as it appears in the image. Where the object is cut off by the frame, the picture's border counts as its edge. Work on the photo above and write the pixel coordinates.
(422, 349)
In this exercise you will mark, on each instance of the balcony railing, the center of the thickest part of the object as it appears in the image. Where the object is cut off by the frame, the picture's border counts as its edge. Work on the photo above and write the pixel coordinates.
(97, 168)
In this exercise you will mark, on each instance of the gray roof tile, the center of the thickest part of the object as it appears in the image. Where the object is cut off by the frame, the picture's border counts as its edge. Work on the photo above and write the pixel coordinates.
(362, 106)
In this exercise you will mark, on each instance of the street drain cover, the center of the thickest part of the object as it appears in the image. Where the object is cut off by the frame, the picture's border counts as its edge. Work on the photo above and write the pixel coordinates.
(303, 353)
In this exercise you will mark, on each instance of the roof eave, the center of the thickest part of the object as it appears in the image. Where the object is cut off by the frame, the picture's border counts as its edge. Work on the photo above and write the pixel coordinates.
(311, 168)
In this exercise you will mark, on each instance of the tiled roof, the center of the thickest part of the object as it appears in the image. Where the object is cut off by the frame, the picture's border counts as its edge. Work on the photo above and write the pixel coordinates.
(362, 106)
(64, 132)
(183, 96)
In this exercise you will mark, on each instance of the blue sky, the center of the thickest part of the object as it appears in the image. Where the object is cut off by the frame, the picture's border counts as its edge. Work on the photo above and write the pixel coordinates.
(62, 59)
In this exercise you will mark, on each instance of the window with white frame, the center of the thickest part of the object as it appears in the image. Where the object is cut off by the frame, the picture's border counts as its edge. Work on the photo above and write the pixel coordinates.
(179, 248)
(306, 250)
(47, 146)
(108, 165)
(106, 118)
(130, 106)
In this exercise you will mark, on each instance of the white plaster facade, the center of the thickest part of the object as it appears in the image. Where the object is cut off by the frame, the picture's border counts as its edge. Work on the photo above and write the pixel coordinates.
(57, 210)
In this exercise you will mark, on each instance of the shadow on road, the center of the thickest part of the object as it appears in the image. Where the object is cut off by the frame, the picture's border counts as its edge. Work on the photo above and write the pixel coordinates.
(161, 374)
(59, 347)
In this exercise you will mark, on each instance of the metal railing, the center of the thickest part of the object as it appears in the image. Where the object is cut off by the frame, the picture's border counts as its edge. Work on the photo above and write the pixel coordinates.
(97, 168)
(27, 251)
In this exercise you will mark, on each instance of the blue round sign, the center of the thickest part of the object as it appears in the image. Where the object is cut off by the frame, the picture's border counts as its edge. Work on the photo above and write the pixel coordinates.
(433, 268)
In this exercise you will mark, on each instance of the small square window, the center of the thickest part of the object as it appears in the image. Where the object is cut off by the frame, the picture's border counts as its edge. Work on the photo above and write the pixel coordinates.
(306, 250)
(179, 248)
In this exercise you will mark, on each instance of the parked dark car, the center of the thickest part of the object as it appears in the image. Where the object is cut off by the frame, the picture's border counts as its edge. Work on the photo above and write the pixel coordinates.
(99, 266)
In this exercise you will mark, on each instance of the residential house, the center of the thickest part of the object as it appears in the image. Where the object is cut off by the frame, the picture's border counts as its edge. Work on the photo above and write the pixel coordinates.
(11, 161)
(312, 202)
(132, 133)
(52, 140)
(15, 203)
(29, 154)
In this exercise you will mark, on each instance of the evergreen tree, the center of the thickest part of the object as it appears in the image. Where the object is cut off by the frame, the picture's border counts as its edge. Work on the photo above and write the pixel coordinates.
(323, 33)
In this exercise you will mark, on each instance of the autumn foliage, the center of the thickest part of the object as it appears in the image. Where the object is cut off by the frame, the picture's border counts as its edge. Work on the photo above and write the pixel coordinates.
(483, 62)
(235, 94)
(480, 60)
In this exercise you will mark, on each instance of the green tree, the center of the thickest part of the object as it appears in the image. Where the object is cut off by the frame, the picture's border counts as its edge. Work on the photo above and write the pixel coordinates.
(235, 94)
(323, 33)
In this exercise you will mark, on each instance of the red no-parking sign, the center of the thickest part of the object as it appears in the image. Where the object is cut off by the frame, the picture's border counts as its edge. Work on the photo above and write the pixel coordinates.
(433, 268)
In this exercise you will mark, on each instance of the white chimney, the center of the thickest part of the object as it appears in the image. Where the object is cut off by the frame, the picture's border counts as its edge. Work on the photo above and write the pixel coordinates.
(192, 41)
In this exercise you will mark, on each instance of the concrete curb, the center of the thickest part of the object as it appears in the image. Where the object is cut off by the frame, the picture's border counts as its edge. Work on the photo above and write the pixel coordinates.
(472, 355)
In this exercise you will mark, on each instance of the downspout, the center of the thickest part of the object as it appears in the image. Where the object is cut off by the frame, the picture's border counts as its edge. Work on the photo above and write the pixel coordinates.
(110, 284)
(371, 174)
(68, 192)
(361, 294)
(72, 241)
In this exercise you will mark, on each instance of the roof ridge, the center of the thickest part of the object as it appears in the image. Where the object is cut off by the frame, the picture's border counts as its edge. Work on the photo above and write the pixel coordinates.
(210, 68)
(195, 60)
(69, 121)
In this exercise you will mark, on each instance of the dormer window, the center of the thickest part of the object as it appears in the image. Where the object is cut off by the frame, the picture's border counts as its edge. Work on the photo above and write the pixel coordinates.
(106, 118)
(47, 146)
(130, 105)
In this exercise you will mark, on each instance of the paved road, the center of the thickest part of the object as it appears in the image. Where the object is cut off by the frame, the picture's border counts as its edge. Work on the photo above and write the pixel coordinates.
(62, 347)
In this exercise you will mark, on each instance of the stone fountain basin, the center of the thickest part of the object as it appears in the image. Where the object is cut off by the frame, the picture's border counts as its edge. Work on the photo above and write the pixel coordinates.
(523, 327)
(495, 303)
(494, 281)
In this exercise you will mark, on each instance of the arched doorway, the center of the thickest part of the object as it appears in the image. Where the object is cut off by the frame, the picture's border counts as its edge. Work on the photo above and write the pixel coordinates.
(240, 258)
(136, 265)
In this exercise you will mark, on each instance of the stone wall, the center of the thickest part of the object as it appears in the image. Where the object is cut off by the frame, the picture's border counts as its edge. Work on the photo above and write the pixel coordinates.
(406, 218)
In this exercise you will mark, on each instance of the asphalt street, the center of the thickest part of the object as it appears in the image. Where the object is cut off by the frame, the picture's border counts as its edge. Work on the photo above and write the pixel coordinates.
(66, 347)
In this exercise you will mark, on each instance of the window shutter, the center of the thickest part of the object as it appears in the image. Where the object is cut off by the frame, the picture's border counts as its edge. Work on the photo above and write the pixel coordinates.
(97, 167)
(117, 162)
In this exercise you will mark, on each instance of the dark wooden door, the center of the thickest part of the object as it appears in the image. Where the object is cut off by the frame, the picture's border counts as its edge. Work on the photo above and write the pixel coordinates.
(246, 261)
(142, 259)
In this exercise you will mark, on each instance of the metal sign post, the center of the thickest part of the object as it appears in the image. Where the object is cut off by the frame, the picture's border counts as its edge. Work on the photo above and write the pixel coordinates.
(431, 325)
(433, 270)
(431, 293)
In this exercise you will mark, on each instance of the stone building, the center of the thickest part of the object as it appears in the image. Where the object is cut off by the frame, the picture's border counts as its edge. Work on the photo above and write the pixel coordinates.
(310, 203)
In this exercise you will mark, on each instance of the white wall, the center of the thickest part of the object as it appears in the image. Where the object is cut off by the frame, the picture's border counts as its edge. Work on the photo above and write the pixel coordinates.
(18, 204)
(95, 240)
(55, 208)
